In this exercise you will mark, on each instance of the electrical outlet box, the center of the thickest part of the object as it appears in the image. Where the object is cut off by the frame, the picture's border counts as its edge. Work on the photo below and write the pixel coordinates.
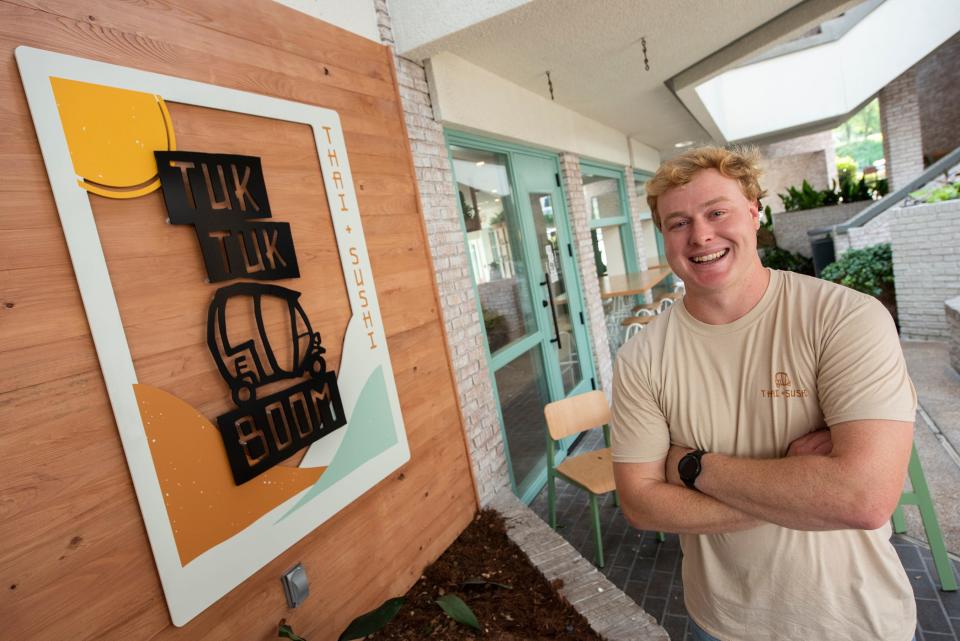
(295, 585)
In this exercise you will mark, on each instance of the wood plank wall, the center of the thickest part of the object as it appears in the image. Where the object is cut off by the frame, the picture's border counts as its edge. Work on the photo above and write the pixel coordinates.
(74, 557)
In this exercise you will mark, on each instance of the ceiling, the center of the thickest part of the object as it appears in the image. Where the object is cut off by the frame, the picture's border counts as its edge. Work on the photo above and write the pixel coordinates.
(594, 53)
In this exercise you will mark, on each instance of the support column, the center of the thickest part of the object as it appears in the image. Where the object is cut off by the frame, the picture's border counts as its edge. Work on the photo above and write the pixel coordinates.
(455, 292)
(900, 122)
(636, 206)
(577, 211)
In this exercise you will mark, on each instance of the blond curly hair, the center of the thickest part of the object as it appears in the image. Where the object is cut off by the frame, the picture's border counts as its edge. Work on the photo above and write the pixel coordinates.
(739, 163)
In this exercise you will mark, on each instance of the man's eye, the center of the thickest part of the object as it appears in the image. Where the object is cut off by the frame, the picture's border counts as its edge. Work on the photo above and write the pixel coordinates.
(677, 224)
(717, 212)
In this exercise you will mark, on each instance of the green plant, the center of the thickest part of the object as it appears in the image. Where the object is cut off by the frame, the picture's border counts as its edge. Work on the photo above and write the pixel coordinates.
(372, 621)
(779, 258)
(868, 270)
(765, 237)
(847, 189)
(286, 632)
(498, 333)
(375, 620)
(846, 166)
(865, 152)
(454, 607)
(804, 197)
(950, 191)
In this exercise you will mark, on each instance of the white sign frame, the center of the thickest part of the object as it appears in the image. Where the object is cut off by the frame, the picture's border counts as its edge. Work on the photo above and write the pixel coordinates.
(192, 588)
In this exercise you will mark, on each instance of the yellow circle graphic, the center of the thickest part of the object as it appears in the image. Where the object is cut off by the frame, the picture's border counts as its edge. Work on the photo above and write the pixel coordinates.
(112, 134)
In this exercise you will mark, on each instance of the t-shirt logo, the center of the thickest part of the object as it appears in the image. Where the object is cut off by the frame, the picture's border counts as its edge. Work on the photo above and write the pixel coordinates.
(784, 388)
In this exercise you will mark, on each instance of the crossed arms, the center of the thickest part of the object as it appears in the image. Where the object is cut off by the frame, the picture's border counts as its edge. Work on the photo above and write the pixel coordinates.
(849, 477)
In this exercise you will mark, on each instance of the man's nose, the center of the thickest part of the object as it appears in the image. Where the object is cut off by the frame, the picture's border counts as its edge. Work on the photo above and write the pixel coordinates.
(701, 232)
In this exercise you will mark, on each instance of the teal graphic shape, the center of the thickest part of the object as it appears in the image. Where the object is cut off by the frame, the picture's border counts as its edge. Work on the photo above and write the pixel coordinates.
(370, 431)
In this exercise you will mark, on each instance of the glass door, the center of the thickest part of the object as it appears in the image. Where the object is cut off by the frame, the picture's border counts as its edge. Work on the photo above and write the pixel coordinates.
(522, 264)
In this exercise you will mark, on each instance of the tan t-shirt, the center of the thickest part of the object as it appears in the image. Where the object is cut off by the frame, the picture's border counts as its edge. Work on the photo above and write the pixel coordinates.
(810, 354)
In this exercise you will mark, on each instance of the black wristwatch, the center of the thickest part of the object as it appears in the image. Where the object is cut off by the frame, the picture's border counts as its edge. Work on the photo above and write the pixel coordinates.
(689, 468)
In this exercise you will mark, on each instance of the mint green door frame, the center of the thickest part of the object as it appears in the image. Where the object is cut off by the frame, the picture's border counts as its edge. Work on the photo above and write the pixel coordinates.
(594, 168)
(527, 489)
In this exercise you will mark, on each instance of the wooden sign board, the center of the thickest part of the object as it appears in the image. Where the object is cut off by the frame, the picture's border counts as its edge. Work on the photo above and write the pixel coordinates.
(150, 302)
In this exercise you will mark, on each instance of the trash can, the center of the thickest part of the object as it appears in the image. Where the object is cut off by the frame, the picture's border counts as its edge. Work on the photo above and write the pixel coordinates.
(821, 247)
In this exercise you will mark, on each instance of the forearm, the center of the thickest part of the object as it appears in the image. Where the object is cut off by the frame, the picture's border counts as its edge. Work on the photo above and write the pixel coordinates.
(799, 492)
(659, 506)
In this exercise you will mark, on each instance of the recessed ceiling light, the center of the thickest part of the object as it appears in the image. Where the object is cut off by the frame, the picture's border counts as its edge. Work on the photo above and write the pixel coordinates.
(495, 191)
(481, 163)
(682, 144)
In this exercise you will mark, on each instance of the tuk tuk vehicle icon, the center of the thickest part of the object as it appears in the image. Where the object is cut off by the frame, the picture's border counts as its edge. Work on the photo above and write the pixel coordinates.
(250, 356)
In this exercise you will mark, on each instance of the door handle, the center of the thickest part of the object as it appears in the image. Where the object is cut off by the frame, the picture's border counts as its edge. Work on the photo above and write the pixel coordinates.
(553, 312)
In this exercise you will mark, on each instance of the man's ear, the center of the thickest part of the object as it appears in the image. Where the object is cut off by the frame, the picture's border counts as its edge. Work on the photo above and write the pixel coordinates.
(755, 212)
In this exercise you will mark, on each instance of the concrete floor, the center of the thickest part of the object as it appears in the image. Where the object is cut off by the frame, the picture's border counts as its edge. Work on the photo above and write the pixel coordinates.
(937, 435)
(649, 571)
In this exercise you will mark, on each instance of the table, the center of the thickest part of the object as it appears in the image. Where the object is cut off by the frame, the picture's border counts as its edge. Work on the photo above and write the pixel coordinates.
(633, 283)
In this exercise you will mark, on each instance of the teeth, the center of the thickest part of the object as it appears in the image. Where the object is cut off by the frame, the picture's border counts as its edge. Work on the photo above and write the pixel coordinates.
(709, 257)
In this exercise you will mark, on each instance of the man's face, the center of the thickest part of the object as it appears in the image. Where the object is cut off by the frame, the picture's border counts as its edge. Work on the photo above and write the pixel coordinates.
(710, 234)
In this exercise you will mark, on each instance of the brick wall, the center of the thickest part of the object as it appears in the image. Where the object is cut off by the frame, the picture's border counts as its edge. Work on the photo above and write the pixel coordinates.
(938, 87)
(458, 304)
(637, 205)
(926, 269)
(801, 144)
(789, 162)
(952, 309)
(500, 297)
(873, 233)
(790, 227)
(580, 230)
(791, 171)
(900, 122)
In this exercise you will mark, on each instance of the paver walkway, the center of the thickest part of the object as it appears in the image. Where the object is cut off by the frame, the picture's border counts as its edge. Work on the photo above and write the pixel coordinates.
(649, 571)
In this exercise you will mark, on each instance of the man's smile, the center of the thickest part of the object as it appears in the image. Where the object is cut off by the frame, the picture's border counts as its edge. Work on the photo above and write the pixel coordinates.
(710, 258)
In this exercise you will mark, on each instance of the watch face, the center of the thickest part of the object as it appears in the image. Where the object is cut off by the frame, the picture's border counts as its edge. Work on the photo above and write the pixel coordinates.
(689, 467)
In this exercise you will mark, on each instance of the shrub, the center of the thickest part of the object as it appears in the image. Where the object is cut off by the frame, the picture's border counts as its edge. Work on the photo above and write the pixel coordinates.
(868, 270)
(938, 194)
(847, 190)
(779, 258)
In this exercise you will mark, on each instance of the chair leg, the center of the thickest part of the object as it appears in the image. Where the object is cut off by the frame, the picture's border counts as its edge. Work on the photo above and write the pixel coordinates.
(616, 499)
(661, 537)
(595, 510)
(899, 521)
(921, 494)
(552, 500)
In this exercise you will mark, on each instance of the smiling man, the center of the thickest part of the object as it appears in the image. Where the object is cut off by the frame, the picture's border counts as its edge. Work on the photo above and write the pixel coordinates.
(768, 419)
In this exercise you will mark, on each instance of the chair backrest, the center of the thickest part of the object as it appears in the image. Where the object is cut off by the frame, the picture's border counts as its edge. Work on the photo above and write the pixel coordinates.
(665, 303)
(577, 413)
(632, 330)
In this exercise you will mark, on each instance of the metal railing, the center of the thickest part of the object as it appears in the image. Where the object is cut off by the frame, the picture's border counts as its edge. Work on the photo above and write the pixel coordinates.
(821, 238)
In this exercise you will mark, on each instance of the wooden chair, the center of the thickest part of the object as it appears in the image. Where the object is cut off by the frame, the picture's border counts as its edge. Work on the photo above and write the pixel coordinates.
(590, 471)
(634, 325)
(919, 495)
(669, 299)
(646, 309)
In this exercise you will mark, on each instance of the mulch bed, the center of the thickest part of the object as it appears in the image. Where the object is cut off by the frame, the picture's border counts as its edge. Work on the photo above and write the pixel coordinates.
(529, 610)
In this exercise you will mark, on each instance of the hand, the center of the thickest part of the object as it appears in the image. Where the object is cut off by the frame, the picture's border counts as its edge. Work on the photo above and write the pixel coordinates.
(676, 453)
(819, 442)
